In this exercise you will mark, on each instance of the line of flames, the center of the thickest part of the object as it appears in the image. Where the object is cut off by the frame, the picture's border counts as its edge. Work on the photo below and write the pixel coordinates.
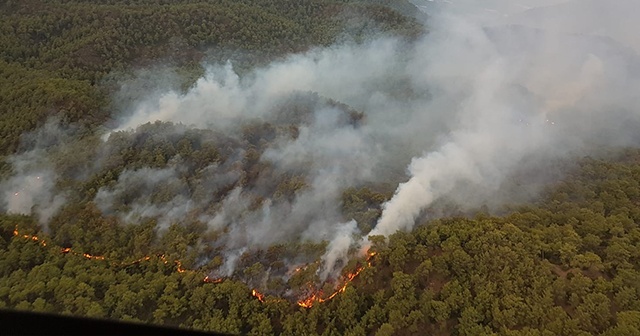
(308, 302)
(68, 250)
(317, 296)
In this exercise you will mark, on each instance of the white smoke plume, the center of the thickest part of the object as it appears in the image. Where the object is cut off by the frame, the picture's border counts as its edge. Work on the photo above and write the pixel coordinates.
(31, 188)
(581, 84)
(338, 249)
(462, 109)
(146, 193)
(32, 192)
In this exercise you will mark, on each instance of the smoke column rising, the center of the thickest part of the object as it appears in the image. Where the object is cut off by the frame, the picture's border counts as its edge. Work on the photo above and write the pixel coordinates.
(461, 109)
(571, 76)
(32, 187)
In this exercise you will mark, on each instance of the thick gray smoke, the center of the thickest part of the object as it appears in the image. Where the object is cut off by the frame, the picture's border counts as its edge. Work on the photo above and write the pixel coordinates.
(461, 110)
(523, 92)
(31, 189)
(330, 153)
(338, 249)
(136, 195)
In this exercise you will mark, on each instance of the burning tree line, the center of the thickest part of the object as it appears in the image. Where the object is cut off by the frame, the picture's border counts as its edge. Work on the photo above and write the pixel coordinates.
(315, 296)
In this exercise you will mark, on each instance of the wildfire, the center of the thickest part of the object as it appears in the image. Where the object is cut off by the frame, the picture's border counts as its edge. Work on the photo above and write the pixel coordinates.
(308, 302)
(30, 237)
(68, 250)
(179, 267)
(177, 262)
(258, 295)
(318, 295)
(214, 281)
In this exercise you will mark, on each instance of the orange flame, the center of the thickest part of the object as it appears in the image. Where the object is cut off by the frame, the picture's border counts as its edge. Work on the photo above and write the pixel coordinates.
(68, 250)
(179, 267)
(317, 296)
(258, 295)
(30, 237)
(214, 281)
(308, 302)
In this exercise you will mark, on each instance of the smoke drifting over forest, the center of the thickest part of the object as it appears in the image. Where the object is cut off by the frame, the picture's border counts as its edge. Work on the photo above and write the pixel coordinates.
(459, 110)
(32, 190)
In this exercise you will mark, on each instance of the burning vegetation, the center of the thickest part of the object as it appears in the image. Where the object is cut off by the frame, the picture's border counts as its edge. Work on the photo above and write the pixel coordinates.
(316, 296)
(257, 295)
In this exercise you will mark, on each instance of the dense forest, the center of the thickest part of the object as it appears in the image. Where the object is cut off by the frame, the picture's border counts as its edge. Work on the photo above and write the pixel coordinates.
(58, 57)
(565, 264)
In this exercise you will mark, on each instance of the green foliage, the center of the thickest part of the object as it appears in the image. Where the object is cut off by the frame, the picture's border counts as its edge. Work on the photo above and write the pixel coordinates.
(530, 272)
(56, 54)
(568, 265)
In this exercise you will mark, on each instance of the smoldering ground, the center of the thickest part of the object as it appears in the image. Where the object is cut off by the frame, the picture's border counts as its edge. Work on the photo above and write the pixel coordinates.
(454, 114)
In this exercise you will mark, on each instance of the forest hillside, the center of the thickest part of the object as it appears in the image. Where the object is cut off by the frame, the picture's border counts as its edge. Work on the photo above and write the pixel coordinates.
(317, 167)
